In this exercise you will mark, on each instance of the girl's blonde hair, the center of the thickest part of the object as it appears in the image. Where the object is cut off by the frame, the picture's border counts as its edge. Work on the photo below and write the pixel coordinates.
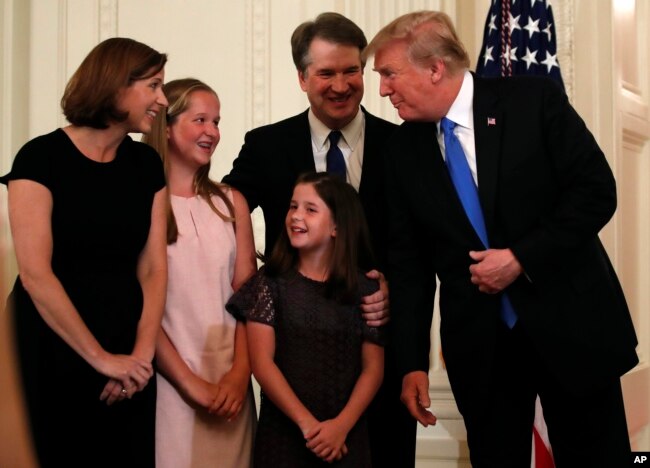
(178, 93)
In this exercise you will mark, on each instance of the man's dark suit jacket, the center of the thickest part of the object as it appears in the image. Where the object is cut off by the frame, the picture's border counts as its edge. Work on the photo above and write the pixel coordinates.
(546, 191)
(270, 161)
(273, 156)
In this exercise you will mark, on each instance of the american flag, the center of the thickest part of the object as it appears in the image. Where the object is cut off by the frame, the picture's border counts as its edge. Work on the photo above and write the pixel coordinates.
(519, 39)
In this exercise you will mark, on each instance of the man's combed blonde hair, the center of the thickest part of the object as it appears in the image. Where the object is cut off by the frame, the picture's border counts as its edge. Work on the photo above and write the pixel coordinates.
(429, 35)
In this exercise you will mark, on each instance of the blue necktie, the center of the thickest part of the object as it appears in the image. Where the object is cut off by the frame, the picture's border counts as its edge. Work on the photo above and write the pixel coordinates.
(334, 158)
(461, 176)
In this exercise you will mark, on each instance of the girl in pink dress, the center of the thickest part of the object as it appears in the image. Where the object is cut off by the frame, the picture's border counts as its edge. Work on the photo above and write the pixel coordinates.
(205, 410)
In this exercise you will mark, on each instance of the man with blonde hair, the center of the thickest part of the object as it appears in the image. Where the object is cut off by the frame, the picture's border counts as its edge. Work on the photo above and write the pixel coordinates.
(497, 187)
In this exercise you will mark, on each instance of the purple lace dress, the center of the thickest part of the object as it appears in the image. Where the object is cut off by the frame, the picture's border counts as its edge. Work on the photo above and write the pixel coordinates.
(318, 349)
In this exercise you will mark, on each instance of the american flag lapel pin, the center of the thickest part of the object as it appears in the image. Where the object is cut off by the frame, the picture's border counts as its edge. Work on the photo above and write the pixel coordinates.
(491, 121)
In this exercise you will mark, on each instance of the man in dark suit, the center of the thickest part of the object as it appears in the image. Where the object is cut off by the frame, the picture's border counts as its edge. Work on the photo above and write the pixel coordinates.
(529, 301)
(327, 55)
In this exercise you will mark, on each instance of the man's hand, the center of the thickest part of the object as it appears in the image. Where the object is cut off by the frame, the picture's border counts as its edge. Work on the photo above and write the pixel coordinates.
(415, 395)
(495, 269)
(374, 308)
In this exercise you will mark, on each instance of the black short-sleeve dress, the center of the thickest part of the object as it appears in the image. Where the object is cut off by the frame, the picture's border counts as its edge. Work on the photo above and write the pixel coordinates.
(101, 216)
(318, 349)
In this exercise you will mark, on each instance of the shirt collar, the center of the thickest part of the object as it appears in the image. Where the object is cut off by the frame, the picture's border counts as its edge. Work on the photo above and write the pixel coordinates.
(351, 132)
(461, 111)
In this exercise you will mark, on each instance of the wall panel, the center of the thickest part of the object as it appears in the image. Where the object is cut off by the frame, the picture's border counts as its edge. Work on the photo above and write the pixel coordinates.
(632, 133)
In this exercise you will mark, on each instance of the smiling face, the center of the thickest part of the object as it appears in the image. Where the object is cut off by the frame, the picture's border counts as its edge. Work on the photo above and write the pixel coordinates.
(194, 134)
(333, 82)
(143, 99)
(309, 221)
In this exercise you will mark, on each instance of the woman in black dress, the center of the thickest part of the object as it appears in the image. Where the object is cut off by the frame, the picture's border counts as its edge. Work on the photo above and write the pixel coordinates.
(86, 208)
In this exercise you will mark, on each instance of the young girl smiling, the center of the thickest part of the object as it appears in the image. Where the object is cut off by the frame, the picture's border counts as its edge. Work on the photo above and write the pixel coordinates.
(205, 412)
(317, 361)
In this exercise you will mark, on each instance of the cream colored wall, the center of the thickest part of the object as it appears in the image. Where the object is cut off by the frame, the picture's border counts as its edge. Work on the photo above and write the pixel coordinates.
(242, 49)
(631, 135)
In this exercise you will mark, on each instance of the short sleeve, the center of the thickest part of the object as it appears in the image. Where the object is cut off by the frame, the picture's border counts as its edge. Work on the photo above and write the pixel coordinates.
(151, 166)
(255, 300)
(374, 335)
(33, 162)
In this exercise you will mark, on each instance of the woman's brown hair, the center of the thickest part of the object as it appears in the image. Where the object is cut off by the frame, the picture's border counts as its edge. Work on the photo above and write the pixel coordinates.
(90, 97)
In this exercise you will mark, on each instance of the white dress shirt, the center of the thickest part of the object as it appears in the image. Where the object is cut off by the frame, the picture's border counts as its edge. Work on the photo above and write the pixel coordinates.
(462, 113)
(350, 144)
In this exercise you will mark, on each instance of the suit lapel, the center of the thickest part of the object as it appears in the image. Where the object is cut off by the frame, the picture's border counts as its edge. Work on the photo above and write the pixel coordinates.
(300, 152)
(376, 135)
(432, 172)
(436, 180)
(370, 150)
(488, 128)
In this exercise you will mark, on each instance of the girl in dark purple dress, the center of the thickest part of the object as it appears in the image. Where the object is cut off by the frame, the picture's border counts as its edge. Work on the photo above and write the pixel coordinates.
(317, 361)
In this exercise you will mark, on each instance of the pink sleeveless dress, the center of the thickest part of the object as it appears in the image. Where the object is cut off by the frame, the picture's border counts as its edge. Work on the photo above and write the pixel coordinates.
(201, 266)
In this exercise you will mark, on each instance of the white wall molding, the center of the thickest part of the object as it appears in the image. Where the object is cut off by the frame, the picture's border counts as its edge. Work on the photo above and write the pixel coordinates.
(631, 88)
(260, 62)
(563, 13)
(62, 73)
(14, 95)
(107, 19)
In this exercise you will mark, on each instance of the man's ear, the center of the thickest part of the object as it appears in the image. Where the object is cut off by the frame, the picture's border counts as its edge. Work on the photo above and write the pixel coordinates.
(302, 80)
(437, 69)
(334, 232)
